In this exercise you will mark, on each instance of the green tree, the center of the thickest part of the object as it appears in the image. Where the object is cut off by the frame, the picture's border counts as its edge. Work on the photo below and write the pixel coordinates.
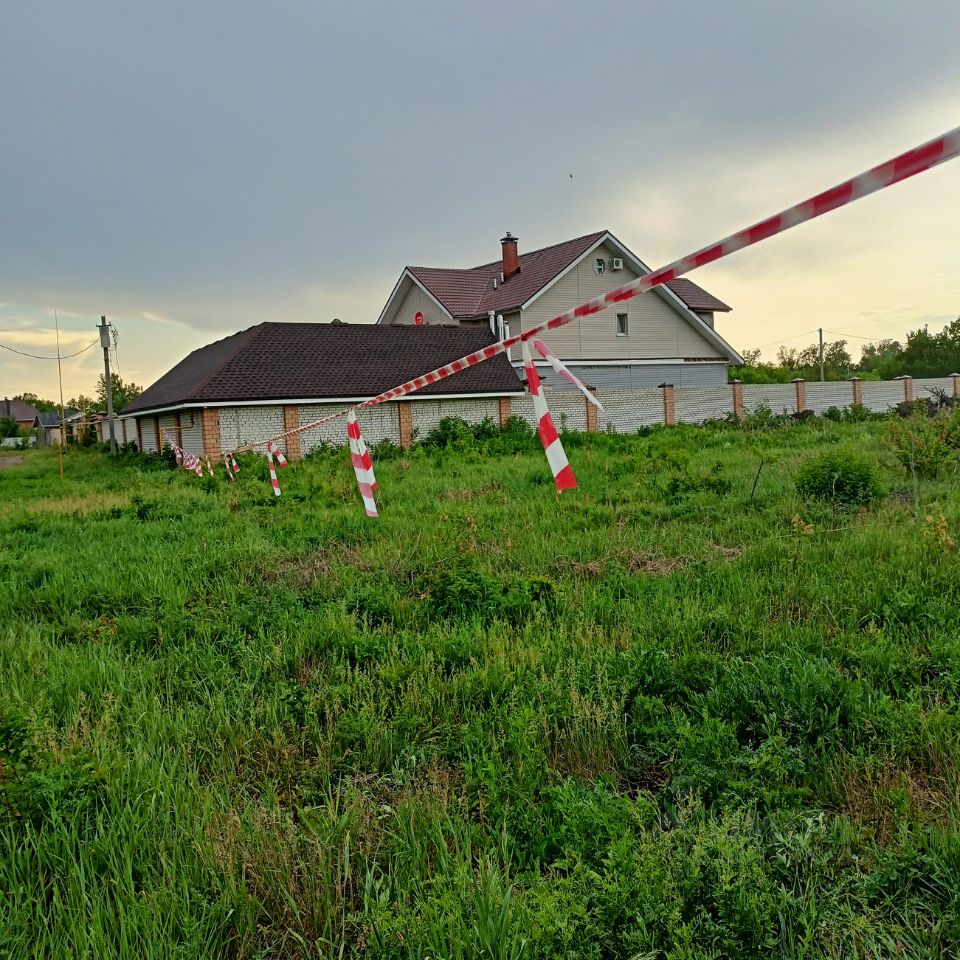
(37, 402)
(8, 428)
(932, 355)
(124, 392)
(883, 359)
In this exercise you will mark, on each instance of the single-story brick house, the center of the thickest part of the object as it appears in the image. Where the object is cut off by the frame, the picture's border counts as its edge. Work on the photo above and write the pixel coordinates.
(666, 334)
(275, 376)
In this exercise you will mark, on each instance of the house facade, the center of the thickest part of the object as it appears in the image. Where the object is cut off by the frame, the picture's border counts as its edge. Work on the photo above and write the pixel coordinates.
(274, 377)
(664, 335)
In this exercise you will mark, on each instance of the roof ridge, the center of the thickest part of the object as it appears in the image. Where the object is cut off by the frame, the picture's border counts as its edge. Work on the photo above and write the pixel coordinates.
(595, 235)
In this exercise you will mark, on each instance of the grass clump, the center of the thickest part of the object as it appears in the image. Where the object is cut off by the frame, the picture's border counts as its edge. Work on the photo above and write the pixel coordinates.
(840, 477)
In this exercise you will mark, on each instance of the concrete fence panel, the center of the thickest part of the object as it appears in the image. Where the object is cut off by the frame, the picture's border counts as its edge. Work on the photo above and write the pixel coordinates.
(823, 396)
(699, 404)
(779, 397)
(628, 410)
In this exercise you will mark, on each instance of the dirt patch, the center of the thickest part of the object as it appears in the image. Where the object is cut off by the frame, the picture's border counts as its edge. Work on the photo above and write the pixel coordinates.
(646, 562)
(728, 553)
(10, 462)
(319, 565)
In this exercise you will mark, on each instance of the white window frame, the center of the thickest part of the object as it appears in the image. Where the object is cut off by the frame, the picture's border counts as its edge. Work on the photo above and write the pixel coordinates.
(625, 332)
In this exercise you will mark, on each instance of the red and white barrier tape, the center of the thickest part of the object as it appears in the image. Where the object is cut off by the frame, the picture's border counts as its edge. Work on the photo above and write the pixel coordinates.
(234, 465)
(362, 464)
(273, 475)
(567, 375)
(906, 165)
(556, 455)
(226, 464)
(275, 450)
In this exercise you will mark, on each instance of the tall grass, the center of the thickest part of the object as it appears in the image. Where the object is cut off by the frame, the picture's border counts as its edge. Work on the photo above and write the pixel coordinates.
(665, 715)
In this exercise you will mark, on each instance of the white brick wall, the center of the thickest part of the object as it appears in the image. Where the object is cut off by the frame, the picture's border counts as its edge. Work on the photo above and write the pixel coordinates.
(376, 424)
(625, 411)
(242, 425)
(428, 413)
(697, 404)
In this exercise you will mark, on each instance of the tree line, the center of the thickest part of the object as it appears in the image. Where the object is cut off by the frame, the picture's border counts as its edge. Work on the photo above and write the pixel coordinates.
(922, 354)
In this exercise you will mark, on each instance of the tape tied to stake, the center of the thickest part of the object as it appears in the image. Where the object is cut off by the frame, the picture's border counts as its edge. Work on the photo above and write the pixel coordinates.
(273, 474)
(556, 455)
(362, 465)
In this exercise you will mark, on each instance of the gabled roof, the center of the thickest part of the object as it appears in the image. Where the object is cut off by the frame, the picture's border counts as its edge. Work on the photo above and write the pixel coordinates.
(315, 361)
(470, 292)
(17, 409)
(48, 418)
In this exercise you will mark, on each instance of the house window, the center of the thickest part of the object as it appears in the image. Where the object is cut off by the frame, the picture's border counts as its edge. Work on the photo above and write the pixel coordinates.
(621, 324)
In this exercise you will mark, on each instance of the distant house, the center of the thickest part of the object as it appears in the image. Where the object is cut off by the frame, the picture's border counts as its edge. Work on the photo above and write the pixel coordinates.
(48, 427)
(275, 376)
(666, 334)
(23, 413)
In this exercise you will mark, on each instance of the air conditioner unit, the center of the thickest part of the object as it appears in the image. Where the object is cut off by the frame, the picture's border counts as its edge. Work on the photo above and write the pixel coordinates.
(616, 263)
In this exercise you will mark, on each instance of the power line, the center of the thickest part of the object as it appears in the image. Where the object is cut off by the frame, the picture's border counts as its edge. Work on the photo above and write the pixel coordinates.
(34, 356)
(856, 336)
(787, 339)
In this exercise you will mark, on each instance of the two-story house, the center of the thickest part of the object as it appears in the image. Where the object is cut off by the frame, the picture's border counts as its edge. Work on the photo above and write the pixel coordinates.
(664, 335)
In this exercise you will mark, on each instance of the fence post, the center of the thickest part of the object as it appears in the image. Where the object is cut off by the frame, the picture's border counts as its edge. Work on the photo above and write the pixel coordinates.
(210, 431)
(593, 420)
(503, 410)
(907, 387)
(955, 377)
(857, 391)
(738, 399)
(800, 388)
(669, 404)
(291, 421)
(405, 423)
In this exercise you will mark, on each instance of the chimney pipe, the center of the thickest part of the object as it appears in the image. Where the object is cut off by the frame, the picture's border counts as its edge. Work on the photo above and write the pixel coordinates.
(511, 262)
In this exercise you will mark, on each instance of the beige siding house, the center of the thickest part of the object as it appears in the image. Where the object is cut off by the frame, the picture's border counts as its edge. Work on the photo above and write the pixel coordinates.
(665, 335)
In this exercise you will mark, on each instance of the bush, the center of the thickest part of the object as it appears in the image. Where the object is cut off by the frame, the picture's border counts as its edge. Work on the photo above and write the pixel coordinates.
(838, 476)
(925, 445)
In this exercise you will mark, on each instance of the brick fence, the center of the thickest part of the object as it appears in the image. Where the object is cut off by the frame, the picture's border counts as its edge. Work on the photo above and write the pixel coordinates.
(212, 430)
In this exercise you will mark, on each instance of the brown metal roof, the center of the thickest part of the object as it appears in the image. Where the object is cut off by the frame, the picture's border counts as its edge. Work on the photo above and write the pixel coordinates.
(278, 361)
(470, 292)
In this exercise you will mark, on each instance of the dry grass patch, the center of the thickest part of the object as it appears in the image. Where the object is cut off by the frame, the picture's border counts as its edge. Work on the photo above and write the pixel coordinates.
(75, 505)
(880, 799)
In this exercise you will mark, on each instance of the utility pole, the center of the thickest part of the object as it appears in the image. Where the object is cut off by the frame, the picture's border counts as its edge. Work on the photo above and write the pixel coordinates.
(104, 329)
(820, 331)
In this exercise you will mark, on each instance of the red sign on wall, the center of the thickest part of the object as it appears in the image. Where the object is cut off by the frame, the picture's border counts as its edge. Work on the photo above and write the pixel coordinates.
(418, 318)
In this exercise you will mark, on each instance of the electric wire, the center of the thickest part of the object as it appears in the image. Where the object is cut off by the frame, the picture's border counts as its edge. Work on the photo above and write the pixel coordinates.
(35, 356)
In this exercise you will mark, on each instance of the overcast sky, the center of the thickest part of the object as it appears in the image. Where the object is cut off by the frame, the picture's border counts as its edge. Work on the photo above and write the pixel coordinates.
(190, 169)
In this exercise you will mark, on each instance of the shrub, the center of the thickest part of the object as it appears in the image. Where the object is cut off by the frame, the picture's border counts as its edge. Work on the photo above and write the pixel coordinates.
(925, 445)
(838, 476)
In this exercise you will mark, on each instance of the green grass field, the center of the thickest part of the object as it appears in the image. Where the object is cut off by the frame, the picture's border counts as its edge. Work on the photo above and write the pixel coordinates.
(653, 718)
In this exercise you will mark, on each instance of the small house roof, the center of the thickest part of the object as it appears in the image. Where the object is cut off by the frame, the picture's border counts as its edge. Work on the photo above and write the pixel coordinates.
(304, 361)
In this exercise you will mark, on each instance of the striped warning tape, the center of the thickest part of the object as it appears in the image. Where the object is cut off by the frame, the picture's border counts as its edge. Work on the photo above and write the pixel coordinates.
(273, 475)
(362, 464)
(556, 455)
(567, 375)
(906, 165)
